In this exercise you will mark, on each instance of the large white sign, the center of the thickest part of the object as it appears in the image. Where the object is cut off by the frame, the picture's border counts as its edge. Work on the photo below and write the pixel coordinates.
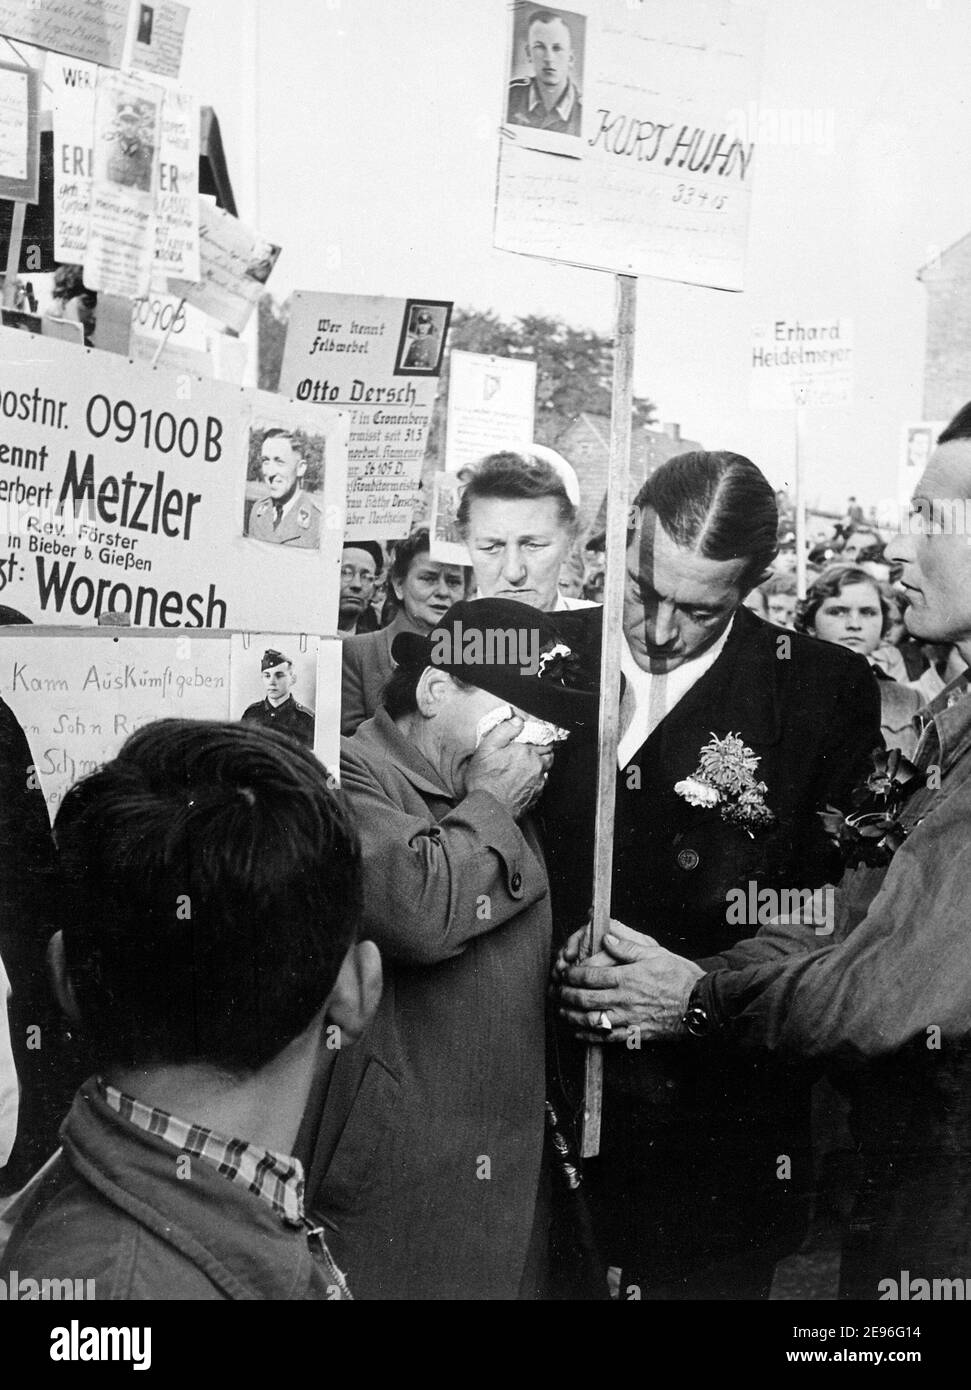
(624, 141)
(798, 362)
(186, 503)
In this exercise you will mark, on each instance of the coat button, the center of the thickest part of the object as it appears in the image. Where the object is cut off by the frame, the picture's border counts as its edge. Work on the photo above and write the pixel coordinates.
(688, 859)
(516, 882)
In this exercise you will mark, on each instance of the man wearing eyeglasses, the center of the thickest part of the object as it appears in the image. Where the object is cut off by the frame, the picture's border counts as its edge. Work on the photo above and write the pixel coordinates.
(361, 563)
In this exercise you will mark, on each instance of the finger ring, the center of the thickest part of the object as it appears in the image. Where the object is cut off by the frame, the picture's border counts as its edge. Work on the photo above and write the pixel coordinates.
(604, 1023)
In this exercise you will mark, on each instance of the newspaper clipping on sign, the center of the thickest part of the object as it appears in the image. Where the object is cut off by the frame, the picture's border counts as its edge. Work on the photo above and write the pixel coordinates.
(380, 359)
(128, 490)
(624, 141)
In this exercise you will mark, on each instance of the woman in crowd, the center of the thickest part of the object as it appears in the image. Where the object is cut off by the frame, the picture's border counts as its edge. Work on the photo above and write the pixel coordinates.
(846, 605)
(518, 516)
(423, 590)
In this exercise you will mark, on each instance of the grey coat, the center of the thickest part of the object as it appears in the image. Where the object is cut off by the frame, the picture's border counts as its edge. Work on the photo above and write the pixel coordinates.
(426, 1163)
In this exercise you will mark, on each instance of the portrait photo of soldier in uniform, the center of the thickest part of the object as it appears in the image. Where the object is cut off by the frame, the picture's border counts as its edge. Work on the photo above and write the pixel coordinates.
(284, 474)
(422, 341)
(125, 146)
(546, 77)
(279, 695)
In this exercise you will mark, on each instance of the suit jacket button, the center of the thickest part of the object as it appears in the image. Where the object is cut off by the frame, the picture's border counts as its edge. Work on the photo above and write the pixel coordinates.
(516, 882)
(688, 859)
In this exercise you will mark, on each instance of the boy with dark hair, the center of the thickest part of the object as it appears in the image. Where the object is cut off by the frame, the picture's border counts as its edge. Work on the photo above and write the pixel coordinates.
(209, 908)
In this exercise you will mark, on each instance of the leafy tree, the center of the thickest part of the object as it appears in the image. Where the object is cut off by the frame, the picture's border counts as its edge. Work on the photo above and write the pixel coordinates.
(272, 331)
(574, 369)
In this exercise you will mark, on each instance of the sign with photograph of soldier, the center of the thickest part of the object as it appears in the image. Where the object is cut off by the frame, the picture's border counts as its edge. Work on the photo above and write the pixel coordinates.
(289, 683)
(378, 360)
(650, 100)
(284, 479)
(546, 76)
(124, 490)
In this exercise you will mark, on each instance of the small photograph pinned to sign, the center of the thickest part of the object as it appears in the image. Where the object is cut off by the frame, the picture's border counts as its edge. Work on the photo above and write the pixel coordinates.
(422, 342)
(285, 479)
(544, 97)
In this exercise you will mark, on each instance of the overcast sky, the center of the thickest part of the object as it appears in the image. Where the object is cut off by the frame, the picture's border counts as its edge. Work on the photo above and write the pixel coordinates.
(363, 137)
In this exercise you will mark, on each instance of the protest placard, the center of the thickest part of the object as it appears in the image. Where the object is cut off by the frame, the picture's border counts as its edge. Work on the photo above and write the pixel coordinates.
(235, 264)
(126, 488)
(74, 86)
(78, 695)
(94, 30)
(121, 229)
(177, 200)
(156, 38)
(19, 133)
(380, 359)
(491, 405)
(799, 362)
(645, 169)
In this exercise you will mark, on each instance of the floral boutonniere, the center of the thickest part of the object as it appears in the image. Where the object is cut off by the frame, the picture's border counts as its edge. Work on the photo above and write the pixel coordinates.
(872, 832)
(725, 777)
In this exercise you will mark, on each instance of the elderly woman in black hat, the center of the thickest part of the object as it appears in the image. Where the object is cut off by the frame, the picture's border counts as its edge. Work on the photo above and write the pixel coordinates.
(427, 1155)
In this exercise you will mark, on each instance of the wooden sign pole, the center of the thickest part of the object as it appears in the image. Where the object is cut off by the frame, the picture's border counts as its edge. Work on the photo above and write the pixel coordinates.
(622, 400)
(11, 278)
(801, 546)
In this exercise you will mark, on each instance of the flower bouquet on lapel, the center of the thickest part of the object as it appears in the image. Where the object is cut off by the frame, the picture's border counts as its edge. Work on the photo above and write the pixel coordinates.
(725, 779)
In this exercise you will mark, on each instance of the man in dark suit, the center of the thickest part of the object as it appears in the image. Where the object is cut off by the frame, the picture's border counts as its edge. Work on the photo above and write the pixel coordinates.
(704, 1155)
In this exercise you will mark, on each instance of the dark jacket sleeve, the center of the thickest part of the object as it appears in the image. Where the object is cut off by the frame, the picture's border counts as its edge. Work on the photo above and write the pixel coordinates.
(354, 709)
(851, 738)
(901, 971)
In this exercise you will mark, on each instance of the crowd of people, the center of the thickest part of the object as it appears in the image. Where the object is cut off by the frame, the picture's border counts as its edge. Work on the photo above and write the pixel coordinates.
(330, 1043)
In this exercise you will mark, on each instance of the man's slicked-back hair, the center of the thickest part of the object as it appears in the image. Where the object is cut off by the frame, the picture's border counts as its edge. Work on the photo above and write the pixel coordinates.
(718, 504)
(210, 888)
(959, 427)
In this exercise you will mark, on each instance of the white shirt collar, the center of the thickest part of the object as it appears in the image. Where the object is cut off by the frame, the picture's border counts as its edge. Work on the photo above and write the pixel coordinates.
(652, 697)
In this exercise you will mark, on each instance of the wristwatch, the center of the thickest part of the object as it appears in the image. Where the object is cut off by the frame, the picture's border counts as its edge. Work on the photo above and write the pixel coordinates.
(696, 1018)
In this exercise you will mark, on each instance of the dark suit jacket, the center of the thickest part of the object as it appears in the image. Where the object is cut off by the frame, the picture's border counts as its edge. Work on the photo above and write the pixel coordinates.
(367, 664)
(703, 1128)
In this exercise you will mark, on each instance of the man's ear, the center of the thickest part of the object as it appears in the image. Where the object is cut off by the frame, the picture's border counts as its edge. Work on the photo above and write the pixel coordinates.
(356, 995)
(758, 579)
(433, 688)
(60, 980)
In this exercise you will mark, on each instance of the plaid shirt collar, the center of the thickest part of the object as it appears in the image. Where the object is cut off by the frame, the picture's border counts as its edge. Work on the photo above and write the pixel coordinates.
(276, 1178)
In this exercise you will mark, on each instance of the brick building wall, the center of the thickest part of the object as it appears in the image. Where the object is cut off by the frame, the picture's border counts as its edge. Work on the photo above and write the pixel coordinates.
(947, 363)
